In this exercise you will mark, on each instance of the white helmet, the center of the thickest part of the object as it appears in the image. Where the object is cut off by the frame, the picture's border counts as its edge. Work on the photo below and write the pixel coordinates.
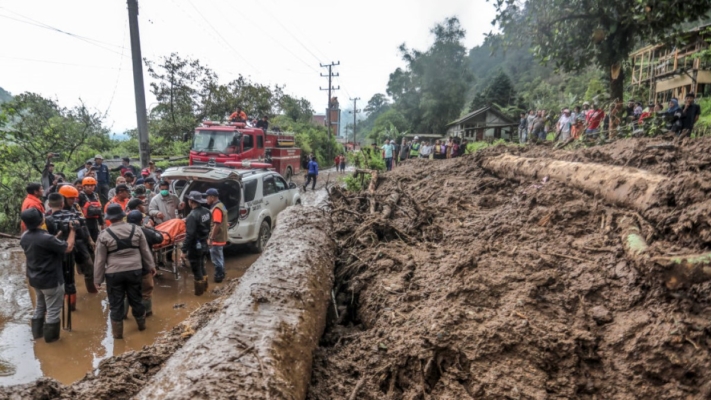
(417, 138)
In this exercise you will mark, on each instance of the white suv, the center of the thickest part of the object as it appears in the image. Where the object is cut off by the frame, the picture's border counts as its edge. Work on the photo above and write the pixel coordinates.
(253, 198)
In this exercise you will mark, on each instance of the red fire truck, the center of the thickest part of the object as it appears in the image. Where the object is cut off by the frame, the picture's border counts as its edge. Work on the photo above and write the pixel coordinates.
(216, 144)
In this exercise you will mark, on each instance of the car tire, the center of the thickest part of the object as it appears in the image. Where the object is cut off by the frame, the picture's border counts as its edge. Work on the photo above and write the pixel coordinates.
(265, 232)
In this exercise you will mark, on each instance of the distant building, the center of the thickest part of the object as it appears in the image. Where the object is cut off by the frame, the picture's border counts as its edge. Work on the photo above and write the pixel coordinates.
(672, 70)
(319, 119)
(485, 123)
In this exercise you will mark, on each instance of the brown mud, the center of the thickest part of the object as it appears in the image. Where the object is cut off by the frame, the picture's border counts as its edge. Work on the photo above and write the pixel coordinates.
(478, 286)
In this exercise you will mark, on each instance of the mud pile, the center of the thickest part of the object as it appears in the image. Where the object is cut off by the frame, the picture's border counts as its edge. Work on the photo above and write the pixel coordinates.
(475, 286)
(123, 376)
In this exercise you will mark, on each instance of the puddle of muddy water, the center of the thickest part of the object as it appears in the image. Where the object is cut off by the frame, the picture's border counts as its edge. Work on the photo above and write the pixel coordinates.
(79, 352)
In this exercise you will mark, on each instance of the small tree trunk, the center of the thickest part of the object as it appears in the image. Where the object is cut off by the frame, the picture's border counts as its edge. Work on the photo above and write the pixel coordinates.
(617, 84)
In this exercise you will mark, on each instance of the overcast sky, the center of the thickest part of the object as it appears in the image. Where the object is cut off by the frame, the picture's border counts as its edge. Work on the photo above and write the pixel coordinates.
(270, 41)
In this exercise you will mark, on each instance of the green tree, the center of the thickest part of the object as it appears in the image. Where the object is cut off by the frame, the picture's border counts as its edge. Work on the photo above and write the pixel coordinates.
(298, 110)
(575, 33)
(431, 90)
(5, 96)
(389, 125)
(500, 91)
(377, 104)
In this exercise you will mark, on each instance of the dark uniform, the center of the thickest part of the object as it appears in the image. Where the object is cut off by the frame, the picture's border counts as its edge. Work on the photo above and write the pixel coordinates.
(197, 230)
(54, 221)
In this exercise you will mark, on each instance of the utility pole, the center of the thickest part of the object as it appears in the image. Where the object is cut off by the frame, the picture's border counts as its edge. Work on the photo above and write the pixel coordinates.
(138, 88)
(330, 75)
(355, 112)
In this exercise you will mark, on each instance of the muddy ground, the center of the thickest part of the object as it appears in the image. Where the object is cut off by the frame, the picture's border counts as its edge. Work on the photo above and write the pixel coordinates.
(480, 287)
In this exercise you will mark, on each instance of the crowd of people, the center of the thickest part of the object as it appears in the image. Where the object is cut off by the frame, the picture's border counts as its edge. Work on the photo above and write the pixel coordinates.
(108, 235)
(440, 149)
(591, 120)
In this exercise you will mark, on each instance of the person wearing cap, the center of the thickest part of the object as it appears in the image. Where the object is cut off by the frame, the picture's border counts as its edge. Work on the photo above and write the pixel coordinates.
(263, 124)
(126, 167)
(130, 179)
(157, 174)
(44, 253)
(153, 237)
(122, 258)
(218, 234)
(415, 147)
(164, 206)
(689, 115)
(197, 232)
(102, 178)
(123, 195)
(87, 168)
(35, 192)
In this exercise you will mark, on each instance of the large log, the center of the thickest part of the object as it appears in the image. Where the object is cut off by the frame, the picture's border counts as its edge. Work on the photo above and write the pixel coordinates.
(624, 186)
(260, 345)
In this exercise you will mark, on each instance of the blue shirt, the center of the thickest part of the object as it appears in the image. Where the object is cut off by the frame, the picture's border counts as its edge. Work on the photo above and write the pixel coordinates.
(388, 150)
(102, 175)
(313, 168)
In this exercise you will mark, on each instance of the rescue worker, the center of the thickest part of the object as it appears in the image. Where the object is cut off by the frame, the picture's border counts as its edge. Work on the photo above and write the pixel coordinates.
(56, 218)
(123, 195)
(35, 191)
(218, 234)
(153, 237)
(415, 148)
(197, 231)
(44, 253)
(122, 257)
(91, 206)
(165, 206)
(238, 115)
(83, 257)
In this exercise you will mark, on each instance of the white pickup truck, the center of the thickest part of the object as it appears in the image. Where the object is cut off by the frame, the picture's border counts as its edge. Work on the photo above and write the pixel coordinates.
(253, 198)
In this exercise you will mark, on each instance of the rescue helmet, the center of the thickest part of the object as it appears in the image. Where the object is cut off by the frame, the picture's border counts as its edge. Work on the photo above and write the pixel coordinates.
(88, 181)
(69, 191)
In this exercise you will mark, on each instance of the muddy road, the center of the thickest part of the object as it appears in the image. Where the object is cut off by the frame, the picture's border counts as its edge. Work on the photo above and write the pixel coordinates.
(80, 351)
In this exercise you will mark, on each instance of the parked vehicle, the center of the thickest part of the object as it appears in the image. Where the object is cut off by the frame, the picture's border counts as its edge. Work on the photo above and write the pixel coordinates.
(253, 198)
(215, 144)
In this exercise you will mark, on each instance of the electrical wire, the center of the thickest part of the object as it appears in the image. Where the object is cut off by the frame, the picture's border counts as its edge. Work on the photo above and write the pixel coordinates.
(93, 42)
(265, 32)
(118, 75)
(56, 62)
(223, 39)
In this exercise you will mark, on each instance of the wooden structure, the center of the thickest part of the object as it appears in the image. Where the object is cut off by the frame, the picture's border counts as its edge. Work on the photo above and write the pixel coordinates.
(485, 123)
(673, 70)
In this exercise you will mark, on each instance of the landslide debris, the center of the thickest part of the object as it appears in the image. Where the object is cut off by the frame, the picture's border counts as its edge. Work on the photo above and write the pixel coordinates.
(475, 286)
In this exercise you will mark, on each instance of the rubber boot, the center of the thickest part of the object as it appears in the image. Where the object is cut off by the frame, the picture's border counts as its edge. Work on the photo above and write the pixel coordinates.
(204, 279)
(89, 282)
(199, 288)
(37, 328)
(141, 321)
(51, 332)
(219, 276)
(117, 329)
(148, 305)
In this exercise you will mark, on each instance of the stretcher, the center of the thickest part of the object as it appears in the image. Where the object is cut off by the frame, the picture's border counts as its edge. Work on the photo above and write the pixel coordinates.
(173, 232)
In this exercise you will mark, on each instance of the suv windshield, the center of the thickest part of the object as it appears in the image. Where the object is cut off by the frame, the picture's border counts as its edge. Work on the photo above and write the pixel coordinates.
(216, 141)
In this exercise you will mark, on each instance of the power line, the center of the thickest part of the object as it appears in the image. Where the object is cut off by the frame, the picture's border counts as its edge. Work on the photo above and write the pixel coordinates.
(245, 16)
(118, 75)
(223, 39)
(57, 62)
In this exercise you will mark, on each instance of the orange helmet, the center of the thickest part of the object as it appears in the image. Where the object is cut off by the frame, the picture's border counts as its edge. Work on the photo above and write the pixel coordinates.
(69, 191)
(88, 181)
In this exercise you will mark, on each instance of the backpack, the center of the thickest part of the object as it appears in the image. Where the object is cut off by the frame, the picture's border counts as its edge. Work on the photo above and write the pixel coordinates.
(92, 208)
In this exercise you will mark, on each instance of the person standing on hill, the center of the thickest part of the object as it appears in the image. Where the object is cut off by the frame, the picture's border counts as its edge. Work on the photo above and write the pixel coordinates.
(595, 117)
(404, 150)
(312, 168)
(388, 149)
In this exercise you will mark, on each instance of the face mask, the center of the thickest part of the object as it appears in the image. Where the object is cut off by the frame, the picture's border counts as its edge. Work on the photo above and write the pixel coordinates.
(164, 192)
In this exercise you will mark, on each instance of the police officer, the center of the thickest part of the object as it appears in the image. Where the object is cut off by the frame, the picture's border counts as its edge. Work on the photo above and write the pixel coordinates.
(122, 256)
(197, 231)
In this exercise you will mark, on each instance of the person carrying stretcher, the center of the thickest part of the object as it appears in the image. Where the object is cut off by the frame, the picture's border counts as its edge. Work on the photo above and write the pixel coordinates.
(197, 231)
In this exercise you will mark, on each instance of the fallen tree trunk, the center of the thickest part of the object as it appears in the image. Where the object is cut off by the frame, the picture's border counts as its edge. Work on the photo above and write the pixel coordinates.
(629, 187)
(390, 203)
(260, 345)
